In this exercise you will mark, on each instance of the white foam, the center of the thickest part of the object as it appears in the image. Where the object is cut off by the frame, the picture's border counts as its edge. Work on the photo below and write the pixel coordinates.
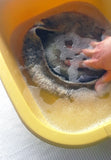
(57, 69)
(64, 114)
(73, 73)
(78, 44)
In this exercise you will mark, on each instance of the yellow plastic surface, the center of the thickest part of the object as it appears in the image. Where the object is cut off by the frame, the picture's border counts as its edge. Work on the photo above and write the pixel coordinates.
(12, 14)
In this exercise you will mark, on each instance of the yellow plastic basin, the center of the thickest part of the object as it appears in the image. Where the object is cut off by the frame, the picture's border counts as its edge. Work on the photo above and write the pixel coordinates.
(14, 13)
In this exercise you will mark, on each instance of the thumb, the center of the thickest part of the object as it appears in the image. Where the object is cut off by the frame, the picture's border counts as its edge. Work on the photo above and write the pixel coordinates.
(103, 80)
(106, 77)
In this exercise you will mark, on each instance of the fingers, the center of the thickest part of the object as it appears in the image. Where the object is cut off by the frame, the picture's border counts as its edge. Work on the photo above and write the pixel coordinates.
(102, 82)
(91, 51)
(94, 44)
(106, 37)
(88, 52)
(106, 77)
(93, 63)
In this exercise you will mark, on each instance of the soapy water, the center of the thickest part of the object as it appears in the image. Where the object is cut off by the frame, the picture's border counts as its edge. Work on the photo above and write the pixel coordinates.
(68, 48)
(84, 113)
(78, 43)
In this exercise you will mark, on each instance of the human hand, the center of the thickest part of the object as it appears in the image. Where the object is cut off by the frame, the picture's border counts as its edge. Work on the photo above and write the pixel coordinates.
(100, 59)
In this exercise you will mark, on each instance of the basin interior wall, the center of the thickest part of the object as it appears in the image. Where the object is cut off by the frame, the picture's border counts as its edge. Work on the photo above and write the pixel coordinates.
(16, 17)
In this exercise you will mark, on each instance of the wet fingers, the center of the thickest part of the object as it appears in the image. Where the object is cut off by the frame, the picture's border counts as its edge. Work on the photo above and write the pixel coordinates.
(93, 63)
(94, 44)
(102, 84)
(89, 52)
